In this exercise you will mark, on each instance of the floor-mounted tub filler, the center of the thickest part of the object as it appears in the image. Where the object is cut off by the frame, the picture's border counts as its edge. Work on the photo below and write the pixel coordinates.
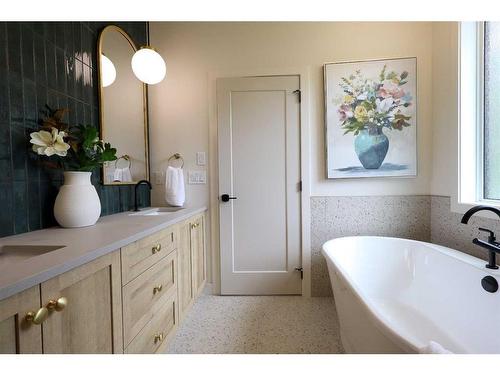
(402, 296)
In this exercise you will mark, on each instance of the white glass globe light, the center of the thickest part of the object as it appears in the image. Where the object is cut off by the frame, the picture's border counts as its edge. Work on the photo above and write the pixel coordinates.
(108, 71)
(148, 66)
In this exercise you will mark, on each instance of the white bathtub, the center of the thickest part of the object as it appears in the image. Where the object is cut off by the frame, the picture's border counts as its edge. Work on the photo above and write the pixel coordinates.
(395, 296)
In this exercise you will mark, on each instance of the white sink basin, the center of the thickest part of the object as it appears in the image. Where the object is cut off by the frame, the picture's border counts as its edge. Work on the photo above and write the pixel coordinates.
(157, 211)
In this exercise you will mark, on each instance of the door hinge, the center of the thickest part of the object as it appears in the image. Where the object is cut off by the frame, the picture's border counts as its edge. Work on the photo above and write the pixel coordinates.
(299, 185)
(301, 272)
(300, 94)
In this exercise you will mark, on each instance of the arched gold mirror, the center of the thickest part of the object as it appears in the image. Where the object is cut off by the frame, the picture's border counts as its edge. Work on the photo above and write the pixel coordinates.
(123, 109)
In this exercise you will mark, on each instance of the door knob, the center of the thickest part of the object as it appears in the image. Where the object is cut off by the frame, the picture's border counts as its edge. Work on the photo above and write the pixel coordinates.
(57, 305)
(226, 197)
(37, 318)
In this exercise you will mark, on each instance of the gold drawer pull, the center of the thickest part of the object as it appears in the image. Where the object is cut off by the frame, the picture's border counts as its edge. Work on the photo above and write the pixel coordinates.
(157, 288)
(58, 305)
(37, 318)
(159, 337)
(195, 225)
(156, 248)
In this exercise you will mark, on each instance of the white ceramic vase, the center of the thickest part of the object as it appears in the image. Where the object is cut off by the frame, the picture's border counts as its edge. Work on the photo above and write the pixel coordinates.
(77, 203)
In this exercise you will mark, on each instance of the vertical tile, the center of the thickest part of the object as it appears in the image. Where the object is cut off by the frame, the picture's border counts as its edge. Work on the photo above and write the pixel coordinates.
(70, 75)
(87, 84)
(48, 193)
(60, 70)
(60, 30)
(78, 79)
(68, 38)
(41, 101)
(87, 46)
(20, 207)
(72, 112)
(16, 98)
(40, 66)
(50, 59)
(77, 41)
(34, 218)
(30, 108)
(28, 59)
(6, 214)
(50, 31)
(3, 46)
(14, 47)
(38, 28)
(20, 147)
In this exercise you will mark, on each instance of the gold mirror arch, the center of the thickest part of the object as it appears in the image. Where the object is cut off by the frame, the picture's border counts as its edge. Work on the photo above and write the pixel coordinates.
(123, 110)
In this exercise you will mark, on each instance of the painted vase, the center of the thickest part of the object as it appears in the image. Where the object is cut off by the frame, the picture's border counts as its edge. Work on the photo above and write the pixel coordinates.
(371, 146)
(77, 203)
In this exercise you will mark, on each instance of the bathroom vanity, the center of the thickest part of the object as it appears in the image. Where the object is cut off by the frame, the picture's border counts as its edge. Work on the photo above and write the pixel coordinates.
(120, 286)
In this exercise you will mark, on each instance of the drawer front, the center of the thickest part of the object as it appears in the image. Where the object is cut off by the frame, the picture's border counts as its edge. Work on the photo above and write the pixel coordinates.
(140, 255)
(157, 332)
(148, 293)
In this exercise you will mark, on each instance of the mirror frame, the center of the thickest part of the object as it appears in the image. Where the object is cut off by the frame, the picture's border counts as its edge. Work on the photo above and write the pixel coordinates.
(101, 102)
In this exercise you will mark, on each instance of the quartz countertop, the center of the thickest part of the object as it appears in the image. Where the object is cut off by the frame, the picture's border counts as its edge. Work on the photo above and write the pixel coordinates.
(74, 246)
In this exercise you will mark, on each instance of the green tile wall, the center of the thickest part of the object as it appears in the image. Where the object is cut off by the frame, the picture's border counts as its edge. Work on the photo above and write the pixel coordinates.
(50, 63)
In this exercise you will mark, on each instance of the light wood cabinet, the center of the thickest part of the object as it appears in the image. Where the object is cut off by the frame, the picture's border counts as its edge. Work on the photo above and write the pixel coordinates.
(17, 335)
(158, 276)
(192, 262)
(92, 320)
(198, 253)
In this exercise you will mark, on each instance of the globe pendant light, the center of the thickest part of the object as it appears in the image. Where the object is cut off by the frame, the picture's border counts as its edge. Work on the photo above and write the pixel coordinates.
(108, 71)
(148, 65)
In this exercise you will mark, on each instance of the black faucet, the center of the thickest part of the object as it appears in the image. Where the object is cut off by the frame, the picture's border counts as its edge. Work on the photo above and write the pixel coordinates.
(146, 182)
(491, 245)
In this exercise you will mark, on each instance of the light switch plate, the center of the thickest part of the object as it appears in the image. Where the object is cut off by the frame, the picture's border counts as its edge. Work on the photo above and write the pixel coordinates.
(201, 158)
(197, 177)
(159, 178)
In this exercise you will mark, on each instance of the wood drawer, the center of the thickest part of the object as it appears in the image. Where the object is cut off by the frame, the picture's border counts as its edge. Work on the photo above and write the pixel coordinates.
(157, 332)
(142, 298)
(140, 255)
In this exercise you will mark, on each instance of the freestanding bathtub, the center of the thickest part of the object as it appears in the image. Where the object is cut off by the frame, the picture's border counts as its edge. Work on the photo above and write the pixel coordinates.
(396, 296)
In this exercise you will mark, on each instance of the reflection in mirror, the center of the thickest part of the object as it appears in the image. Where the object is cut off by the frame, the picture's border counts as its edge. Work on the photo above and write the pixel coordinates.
(123, 109)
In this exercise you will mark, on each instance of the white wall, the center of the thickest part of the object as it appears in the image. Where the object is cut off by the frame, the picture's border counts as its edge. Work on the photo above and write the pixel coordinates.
(179, 107)
(445, 108)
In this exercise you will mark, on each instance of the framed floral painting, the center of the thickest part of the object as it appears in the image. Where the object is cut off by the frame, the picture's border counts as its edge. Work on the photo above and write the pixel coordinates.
(371, 118)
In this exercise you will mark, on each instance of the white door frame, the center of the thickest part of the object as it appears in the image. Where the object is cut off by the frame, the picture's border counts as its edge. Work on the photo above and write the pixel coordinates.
(305, 169)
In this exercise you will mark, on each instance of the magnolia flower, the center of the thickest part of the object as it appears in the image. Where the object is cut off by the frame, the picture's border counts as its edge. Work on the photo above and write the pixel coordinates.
(383, 105)
(48, 144)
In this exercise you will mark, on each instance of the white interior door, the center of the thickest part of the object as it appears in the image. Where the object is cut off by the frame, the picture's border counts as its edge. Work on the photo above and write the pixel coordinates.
(259, 166)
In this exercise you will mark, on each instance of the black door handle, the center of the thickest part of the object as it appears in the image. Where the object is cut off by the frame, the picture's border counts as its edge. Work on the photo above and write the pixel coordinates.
(226, 197)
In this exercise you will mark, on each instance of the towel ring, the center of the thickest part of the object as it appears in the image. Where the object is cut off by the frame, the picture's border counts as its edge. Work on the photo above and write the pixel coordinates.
(126, 158)
(176, 156)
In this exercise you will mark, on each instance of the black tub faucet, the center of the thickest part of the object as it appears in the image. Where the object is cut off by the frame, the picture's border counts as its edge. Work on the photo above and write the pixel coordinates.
(491, 245)
(141, 182)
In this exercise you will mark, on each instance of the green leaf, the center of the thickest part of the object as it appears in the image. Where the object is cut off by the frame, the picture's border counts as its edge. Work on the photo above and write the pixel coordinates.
(404, 75)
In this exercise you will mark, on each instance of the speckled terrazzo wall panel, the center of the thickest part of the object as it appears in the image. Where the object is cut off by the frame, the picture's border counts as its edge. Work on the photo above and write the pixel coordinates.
(50, 63)
(447, 230)
(332, 217)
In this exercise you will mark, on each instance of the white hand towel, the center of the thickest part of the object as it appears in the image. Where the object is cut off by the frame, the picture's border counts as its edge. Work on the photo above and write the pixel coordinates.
(433, 348)
(174, 187)
(122, 175)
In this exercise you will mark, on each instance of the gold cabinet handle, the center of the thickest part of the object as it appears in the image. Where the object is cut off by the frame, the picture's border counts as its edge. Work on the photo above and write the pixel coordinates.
(37, 318)
(159, 337)
(58, 305)
(156, 248)
(195, 225)
(157, 288)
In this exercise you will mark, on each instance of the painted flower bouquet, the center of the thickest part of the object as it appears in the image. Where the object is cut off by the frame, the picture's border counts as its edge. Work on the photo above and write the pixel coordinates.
(75, 148)
(368, 106)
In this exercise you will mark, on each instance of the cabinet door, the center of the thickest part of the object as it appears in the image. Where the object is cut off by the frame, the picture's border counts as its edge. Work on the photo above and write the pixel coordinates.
(185, 284)
(197, 236)
(91, 322)
(18, 335)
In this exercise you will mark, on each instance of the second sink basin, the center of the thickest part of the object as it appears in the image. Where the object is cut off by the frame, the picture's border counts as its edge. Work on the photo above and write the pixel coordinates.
(10, 254)
(156, 211)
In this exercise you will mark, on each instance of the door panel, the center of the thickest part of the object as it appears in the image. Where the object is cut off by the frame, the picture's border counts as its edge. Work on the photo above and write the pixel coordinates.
(17, 335)
(259, 164)
(92, 320)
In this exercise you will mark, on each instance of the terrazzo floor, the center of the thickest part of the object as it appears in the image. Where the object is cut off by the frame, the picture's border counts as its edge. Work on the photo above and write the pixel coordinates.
(258, 324)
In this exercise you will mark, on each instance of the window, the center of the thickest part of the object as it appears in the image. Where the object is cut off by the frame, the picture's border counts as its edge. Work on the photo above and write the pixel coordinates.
(491, 137)
(480, 113)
